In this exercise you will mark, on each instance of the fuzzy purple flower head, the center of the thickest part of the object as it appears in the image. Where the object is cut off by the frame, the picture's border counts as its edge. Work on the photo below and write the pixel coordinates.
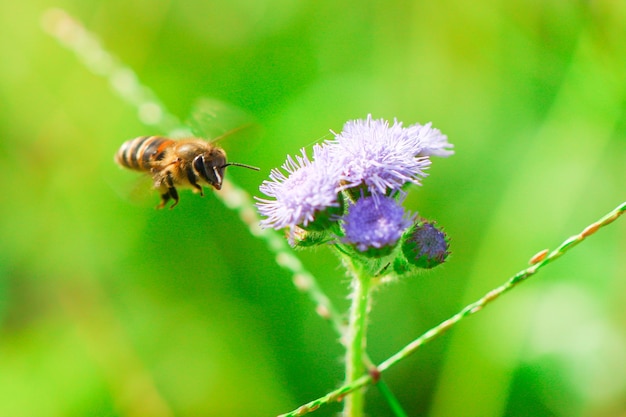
(310, 187)
(383, 158)
(433, 142)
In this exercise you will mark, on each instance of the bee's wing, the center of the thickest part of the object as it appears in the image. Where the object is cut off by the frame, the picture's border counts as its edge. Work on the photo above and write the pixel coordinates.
(213, 119)
(133, 187)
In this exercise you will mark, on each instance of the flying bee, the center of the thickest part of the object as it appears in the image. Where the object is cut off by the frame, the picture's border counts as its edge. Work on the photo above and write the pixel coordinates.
(189, 163)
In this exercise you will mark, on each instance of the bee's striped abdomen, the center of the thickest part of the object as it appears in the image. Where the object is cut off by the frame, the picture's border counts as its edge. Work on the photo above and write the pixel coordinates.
(140, 153)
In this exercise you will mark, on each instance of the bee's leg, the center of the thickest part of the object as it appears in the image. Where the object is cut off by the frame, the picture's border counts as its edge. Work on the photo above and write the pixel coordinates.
(191, 176)
(174, 195)
(171, 189)
(164, 191)
(164, 199)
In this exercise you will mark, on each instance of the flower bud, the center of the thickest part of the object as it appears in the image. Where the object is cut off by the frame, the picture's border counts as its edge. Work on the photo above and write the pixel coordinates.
(425, 246)
(375, 224)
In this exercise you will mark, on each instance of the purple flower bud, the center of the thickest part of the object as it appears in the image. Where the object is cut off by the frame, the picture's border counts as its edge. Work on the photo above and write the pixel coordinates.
(425, 246)
(375, 222)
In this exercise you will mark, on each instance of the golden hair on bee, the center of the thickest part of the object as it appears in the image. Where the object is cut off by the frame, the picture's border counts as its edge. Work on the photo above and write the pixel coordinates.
(186, 163)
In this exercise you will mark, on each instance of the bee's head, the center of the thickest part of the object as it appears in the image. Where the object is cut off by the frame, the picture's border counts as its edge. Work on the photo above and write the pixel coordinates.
(211, 167)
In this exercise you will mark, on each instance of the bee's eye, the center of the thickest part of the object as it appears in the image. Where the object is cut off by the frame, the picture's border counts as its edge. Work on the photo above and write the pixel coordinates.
(198, 165)
(208, 171)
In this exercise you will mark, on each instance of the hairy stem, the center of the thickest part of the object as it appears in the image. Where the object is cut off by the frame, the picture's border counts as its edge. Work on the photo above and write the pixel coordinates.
(356, 340)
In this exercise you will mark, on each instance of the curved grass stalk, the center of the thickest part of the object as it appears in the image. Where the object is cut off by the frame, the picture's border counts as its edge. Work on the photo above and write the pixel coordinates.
(152, 112)
(239, 200)
(72, 35)
(537, 263)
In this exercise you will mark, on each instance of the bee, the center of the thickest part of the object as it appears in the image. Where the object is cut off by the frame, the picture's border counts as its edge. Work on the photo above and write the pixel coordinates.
(189, 163)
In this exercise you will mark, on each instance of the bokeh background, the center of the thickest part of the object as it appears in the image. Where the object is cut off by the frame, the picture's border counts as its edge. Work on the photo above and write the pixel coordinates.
(111, 308)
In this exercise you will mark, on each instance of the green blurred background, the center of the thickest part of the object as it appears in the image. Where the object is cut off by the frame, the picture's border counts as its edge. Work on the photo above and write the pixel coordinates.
(111, 308)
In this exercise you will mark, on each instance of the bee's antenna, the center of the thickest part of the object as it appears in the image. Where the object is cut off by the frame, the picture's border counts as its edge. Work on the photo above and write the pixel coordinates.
(236, 164)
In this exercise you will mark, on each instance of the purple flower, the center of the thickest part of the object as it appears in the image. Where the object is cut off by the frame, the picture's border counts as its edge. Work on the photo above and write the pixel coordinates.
(368, 157)
(310, 187)
(379, 156)
(434, 143)
(375, 222)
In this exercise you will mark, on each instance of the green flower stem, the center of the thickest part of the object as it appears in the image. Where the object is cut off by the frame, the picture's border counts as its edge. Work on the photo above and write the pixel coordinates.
(395, 405)
(357, 384)
(356, 336)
